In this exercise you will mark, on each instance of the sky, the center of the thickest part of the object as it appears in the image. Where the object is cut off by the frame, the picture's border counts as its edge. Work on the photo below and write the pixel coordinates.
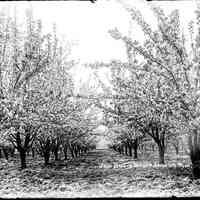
(87, 23)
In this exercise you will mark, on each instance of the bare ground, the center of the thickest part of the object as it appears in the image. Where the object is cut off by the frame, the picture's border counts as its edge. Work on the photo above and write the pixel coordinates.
(99, 173)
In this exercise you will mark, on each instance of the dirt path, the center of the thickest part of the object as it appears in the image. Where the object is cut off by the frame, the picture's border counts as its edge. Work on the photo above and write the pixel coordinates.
(96, 174)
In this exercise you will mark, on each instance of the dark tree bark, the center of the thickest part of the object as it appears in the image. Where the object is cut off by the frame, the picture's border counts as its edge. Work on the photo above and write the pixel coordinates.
(135, 151)
(196, 169)
(65, 151)
(12, 152)
(119, 150)
(23, 145)
(22, 149)
(134, 144)
(126, 150)
(153, 147)
(71, 151)
(55, 151)
(161, 150)
(176, 147)
(194, 145)
(79, 150)
(130, 150)
(114, 147)
(142, 148)
(46, 158)
(177, 150)
(33, 152)
(55, 148)
(76, 151)
(44, 146)
(158, 134)
(22, 154)
(5, 151)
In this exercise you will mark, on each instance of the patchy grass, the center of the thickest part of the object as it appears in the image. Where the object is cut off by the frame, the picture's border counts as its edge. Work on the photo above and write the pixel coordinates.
(97, 174)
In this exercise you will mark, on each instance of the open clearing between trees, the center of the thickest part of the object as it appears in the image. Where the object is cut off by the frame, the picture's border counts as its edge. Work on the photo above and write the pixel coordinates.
(98, 173)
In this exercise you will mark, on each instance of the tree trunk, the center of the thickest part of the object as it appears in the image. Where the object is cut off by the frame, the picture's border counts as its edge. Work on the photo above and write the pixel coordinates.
(135, 152)
(13, 152)
(119, 150)
(56, 153)
(5, 151)
(194, 145)
(153, 147)
(142, 148)
(177, 150)
(130, 150)
(76, 151)
(65, 152)
(1, 153)
(126, 150)
(46, 158)
(135, 147)
(161, 150)
(72, 152)
(22, 154)
(176, 147)
(196, 169)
